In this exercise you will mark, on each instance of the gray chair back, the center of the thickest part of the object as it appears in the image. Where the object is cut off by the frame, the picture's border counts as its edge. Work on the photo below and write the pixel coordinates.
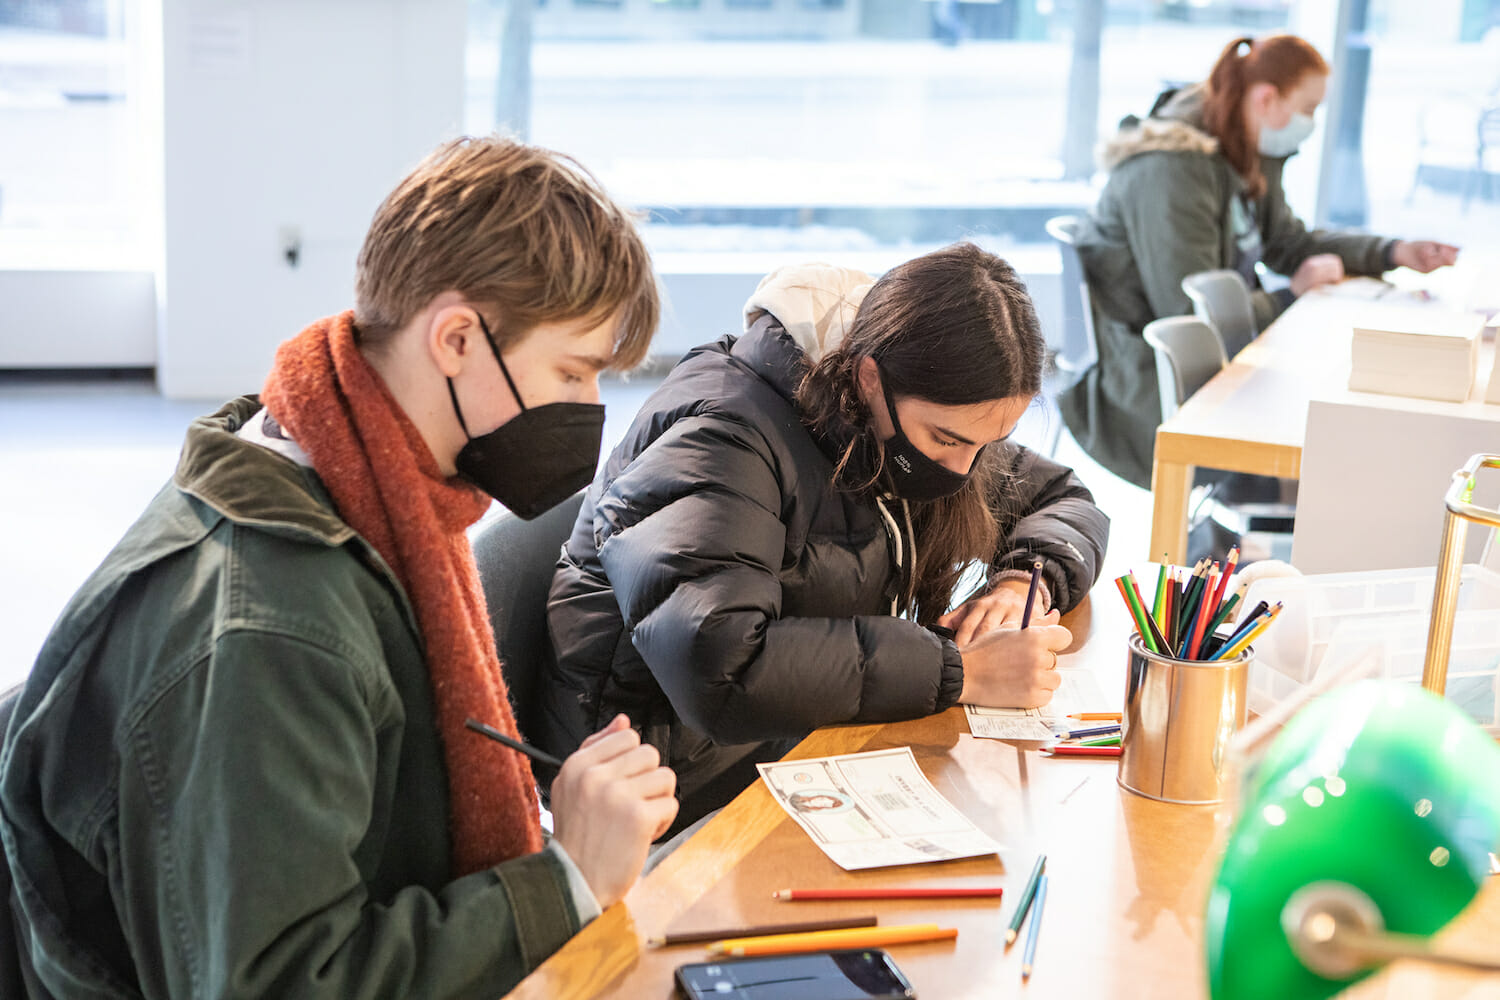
(1188, 354)
(1222, 300)
(12, 981)
(1076, 350)
(516, 559)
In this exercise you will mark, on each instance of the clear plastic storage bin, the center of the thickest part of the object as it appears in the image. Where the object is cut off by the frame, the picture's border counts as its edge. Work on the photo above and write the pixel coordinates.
(1375, 624)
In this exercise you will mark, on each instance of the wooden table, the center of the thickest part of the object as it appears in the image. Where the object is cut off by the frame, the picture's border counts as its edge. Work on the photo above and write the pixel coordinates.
(1252, 416)
(1128, 875)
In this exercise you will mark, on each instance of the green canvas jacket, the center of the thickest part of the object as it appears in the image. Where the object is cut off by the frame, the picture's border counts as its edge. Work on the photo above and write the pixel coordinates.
(1169, 210)
(223, 777)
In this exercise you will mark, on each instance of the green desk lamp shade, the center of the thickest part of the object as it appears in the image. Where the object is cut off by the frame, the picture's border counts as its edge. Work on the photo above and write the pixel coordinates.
(1381, 786)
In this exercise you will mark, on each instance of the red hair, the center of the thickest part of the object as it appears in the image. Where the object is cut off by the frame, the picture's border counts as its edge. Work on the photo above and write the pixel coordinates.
(1280, 60)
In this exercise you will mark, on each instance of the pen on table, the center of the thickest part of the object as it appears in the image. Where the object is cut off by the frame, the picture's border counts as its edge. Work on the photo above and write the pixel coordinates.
(541, 756)
(858, 937)
(889, 892)
(1036, 576)
(1027, 895)
(1028, 960)
(797, 927)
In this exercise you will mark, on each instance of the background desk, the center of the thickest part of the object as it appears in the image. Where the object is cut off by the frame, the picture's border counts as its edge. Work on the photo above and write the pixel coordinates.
(1128, 875)
(1252, 415)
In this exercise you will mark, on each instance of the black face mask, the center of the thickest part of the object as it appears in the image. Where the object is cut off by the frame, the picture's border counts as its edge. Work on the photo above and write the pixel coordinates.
(536, 459)
(914, 476)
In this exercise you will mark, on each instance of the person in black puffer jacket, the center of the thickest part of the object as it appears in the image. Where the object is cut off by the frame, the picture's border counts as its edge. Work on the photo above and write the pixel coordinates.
(777, 543)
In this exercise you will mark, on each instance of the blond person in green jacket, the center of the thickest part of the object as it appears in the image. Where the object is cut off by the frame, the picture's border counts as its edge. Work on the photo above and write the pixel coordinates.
(1196, 186)
(239, 767)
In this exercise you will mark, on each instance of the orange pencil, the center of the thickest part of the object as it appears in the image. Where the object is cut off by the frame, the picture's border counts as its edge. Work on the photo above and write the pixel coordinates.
(859, 937)
(1096, 716)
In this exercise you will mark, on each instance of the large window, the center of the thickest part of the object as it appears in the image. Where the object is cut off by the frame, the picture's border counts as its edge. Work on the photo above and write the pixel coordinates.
(849, 125)
(71, 150)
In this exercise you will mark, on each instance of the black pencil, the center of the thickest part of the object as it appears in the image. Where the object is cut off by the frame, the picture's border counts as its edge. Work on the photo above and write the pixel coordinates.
(1036, 576)
(803, 926)
(541, 756)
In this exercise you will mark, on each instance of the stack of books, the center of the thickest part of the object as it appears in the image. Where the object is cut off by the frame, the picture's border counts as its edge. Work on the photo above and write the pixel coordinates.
(1429, 353)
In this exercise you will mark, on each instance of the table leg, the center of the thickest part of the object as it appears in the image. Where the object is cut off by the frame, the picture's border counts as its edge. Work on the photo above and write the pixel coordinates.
(1170, 485)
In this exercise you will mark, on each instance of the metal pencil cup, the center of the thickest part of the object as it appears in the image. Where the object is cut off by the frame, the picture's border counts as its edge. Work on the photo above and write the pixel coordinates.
(1179, 717)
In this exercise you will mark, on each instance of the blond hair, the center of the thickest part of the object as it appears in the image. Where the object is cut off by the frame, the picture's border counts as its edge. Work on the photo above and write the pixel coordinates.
(519, 228)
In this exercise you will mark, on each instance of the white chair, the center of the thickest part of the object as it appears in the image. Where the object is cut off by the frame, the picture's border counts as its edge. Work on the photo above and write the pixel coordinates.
(1222, 300)
(1188, 354)
(1075, 351)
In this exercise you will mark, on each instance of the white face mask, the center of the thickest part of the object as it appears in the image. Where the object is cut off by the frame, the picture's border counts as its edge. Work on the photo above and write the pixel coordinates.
(1279, 142)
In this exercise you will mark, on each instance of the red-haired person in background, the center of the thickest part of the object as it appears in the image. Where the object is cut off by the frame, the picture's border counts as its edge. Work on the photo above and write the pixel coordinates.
(1194, 187)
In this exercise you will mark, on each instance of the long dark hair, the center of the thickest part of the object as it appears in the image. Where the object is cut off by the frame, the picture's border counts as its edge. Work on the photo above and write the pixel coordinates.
(954, 327)
(1280, 60)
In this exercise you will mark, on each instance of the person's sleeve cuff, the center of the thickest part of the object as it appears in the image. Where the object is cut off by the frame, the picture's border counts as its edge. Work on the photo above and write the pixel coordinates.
(1043, 592)
(584, 903)
(1284, 297)
(1388, 255)
(951, 685)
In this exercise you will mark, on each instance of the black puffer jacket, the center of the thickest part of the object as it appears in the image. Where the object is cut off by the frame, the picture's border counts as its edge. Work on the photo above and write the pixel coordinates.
(718, 591)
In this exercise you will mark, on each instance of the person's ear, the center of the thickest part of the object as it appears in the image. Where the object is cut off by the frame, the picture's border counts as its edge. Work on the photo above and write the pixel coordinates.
(868, 378)
(453, 335)
(1261, 96)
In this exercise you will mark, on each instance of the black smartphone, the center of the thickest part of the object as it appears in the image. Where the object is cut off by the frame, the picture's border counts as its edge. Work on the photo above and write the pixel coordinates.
(851, 974)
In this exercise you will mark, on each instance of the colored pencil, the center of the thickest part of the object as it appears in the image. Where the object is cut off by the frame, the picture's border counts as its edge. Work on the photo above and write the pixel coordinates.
(1101, 741)
(1230, 562)
(1065, 750)
(1097, 716)
(1136, 613)
(541, 756)
(764, 930)
(857, 937)
(1231, 650)
(888, 892)
(1028, 960)
(1075, 734)
(1027, 895)
(1036, 576)
(1159, 607)
(1168, 600)
(1225, 610)
(1248, 622)
(1205, 611)
(1157, 638)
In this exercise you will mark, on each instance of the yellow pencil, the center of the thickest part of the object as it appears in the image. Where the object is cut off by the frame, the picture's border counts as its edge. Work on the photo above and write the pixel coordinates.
(859, 937)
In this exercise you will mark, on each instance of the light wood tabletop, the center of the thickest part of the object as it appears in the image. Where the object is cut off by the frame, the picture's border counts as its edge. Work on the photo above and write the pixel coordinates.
(1128, 876)
(1252, 416)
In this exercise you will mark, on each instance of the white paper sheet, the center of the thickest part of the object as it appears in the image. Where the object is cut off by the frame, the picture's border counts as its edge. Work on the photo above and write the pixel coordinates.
(871, 810)
(1079, 693)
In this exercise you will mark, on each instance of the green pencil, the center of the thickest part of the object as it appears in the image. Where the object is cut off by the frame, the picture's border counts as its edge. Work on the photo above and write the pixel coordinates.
(1027, 895)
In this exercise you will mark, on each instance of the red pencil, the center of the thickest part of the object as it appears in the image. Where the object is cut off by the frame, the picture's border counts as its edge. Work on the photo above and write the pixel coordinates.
(889, 892)
(1230, 562)
(1205, 611)
(1072, 751)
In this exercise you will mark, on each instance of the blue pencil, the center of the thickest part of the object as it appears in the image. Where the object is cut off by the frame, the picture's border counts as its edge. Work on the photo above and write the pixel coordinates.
(1029, 958)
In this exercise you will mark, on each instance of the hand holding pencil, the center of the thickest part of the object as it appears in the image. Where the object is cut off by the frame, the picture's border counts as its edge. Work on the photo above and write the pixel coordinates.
(611, 799)
(1010, 603)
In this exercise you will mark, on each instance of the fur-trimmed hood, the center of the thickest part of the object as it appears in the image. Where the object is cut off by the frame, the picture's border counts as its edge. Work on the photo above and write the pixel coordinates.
(1177, 127)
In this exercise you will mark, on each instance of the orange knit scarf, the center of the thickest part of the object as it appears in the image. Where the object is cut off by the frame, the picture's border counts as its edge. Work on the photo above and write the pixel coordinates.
(387, 486)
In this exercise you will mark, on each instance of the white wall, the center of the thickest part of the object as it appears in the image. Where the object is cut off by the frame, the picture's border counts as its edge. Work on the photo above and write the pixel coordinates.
(56, 318)
(280, 114)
